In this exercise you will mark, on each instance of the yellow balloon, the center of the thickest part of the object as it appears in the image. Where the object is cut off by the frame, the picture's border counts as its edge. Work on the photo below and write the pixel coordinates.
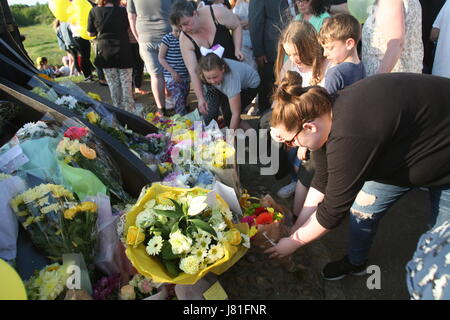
(75, 12)
(11, 285)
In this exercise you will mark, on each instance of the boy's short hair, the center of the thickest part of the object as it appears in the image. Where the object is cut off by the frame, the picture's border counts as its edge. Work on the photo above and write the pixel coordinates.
(340, 27)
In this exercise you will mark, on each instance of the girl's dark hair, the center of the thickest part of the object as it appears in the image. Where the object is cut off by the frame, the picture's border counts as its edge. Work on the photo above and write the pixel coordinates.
(210, 62)
(319, 7)
(101, 3)
(181, 9)
(295, 105)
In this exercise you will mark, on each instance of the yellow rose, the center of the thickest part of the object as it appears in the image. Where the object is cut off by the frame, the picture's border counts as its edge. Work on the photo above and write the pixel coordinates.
(135, 236)
(233, 236)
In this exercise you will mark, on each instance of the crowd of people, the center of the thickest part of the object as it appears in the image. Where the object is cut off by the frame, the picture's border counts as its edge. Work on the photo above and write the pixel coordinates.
(358, 121)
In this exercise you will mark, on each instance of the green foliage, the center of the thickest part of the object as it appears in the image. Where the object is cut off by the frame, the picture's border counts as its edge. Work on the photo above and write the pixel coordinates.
(26, 15)
(41, 41)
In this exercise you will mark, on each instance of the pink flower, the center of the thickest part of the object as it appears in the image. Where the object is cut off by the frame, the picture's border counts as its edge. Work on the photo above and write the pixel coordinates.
(75, 133)
(248, 220)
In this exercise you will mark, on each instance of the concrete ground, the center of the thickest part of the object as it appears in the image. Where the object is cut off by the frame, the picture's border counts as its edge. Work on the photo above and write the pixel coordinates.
(394, 245)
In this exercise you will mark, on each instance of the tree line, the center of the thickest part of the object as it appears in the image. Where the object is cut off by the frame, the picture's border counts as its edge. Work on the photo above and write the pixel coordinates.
(26, 15)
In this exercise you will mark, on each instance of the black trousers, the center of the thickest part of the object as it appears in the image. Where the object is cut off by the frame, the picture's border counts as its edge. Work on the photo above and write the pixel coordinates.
(266, 73)
(84, 56)
(219, 103)
(138, 69)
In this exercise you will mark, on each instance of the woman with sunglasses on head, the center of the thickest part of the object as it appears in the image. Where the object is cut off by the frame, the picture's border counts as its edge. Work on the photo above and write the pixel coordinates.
(370, 138)
(206, 27)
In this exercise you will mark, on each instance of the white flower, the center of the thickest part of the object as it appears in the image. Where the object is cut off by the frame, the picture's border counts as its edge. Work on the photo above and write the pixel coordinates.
(215, 253)
(190, 264)
(228, 214)
(220, 227)
(197, 205)
(154, 245)
(32, 128)
(245, 240)
(145, 219)
(199, 252)
(202, 241)
(67, 101)
(180, 243)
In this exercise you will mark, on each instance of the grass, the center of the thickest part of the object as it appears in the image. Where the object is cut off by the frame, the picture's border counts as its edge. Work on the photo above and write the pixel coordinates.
(41, 41)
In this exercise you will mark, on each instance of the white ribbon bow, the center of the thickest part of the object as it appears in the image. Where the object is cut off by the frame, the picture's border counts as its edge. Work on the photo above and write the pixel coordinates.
(218, 50)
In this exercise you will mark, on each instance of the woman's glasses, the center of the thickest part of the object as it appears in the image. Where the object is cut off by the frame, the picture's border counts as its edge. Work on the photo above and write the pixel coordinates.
(291, 143)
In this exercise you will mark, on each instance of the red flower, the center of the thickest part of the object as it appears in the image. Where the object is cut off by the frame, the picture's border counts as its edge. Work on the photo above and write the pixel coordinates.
(260, 210)
(75, 133)
(265, 218)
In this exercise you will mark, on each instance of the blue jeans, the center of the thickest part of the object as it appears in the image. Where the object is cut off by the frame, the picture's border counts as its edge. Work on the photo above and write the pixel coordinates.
(294, 161)
(371, 204)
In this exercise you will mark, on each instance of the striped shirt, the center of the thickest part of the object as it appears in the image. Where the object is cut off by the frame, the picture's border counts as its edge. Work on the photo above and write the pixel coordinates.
(173, 56)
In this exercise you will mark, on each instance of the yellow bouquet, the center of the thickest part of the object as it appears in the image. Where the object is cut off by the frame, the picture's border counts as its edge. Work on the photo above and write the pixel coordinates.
(177, 235)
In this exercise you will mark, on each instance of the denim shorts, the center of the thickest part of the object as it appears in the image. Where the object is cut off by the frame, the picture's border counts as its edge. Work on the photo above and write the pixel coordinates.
(149, 53)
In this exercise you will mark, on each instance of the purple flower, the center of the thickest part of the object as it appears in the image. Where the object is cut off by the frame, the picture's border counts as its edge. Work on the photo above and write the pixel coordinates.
(249, 220)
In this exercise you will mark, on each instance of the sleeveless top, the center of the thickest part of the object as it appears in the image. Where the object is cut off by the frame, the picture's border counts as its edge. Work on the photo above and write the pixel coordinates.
(222, 37)
(374, 45)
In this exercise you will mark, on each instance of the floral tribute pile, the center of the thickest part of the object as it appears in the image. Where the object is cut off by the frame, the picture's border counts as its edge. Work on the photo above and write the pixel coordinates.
(177, 235)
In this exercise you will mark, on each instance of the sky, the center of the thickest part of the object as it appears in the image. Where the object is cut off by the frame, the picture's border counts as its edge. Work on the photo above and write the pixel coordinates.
(29, 2)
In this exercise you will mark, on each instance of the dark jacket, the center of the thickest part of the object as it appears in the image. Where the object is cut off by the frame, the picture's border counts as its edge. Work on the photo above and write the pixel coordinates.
(267, 18)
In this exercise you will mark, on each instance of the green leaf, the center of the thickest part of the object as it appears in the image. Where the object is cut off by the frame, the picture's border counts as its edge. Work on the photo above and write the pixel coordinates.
(174, 227)
(167, 253)
(168, 213)
(178, 207)
(204, 226)
(172, 267)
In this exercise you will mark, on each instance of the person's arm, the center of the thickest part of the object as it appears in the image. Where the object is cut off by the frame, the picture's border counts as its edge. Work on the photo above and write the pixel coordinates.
(190, 61)
(163, 48)
(391, 19)
(92, 31)
(235, 106)
(132, 20)
(231, 21)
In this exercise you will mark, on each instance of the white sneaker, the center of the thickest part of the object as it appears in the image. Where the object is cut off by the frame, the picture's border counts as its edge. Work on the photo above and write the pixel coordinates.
(252, 111)
(287, 191)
